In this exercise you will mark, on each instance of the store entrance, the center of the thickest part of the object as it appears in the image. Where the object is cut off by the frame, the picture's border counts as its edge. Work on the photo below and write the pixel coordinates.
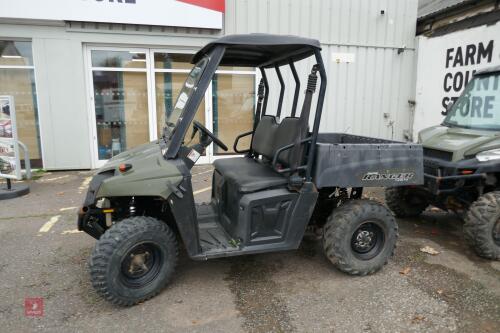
(132, 89)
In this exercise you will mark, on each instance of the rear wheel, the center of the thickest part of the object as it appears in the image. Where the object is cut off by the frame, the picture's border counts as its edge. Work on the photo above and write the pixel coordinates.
(405, 201)
(134, 260)
(482, 225)
(360, 237)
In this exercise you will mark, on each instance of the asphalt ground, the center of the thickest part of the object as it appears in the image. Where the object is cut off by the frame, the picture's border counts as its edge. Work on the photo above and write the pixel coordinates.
(44, 256)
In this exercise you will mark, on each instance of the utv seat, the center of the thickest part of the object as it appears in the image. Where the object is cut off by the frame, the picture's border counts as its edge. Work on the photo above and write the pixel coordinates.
(249, 174)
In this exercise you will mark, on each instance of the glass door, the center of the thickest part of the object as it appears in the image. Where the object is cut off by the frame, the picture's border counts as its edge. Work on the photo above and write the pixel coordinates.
(120, 100)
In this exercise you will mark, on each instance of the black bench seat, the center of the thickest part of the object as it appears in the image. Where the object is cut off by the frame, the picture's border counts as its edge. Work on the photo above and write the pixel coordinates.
(248, 174)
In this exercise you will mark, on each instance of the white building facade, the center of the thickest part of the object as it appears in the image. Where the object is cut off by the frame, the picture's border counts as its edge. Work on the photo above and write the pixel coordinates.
(92, 78)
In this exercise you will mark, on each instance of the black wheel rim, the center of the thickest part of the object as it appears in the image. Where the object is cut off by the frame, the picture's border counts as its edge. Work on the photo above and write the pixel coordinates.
(367, 240)
(496, 233)
(141, 264)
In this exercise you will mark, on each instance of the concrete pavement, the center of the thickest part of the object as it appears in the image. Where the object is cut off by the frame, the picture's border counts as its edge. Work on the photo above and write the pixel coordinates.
(43, 256)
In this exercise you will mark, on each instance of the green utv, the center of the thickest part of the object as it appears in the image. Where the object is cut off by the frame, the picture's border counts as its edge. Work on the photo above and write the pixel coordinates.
(462, 165)
(140, 205)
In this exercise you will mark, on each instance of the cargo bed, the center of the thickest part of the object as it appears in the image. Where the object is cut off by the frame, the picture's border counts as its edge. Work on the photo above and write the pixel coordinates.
(346, 160)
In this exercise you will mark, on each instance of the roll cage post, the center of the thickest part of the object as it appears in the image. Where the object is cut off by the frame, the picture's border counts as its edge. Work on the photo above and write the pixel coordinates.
(317, 117)
(266, 85)
(297, 88)
(282, 91)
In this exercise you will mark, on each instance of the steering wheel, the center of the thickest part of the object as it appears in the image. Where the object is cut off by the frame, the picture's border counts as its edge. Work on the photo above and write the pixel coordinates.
(202, 128)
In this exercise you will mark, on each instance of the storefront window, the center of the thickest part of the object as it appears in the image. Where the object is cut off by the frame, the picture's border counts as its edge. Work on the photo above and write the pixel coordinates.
(233, 99)
(121, 101)
(17, 79)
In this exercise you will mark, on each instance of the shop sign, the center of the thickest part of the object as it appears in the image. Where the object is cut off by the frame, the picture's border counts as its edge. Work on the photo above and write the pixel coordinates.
(10, 166)
(177, 13)
(446, 64)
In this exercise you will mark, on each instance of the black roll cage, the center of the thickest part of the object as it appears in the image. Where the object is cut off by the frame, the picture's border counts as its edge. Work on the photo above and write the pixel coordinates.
(215, 55)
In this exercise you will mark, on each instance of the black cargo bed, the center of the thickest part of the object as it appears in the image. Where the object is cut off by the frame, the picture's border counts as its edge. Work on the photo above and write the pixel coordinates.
(346, 160)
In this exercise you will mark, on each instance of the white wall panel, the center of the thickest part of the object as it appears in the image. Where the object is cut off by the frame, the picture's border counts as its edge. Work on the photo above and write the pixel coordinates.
(63, 118)
(369, 96)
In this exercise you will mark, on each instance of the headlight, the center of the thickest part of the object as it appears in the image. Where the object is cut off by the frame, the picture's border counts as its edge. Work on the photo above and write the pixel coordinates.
(488, 155)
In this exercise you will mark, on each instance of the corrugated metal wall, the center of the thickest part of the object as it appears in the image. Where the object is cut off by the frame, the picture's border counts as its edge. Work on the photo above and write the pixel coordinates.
(368, 96)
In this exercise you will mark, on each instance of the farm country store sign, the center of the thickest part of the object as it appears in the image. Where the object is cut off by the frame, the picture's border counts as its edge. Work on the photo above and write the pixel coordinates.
(446, 64)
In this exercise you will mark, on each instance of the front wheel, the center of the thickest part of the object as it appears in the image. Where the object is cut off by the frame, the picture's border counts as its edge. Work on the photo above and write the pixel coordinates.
(360, 237)
(134, 260)
(482, 225)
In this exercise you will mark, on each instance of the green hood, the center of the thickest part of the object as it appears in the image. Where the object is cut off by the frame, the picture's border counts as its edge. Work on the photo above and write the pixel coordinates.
(459, 141)
(144, 151)
(151, 174)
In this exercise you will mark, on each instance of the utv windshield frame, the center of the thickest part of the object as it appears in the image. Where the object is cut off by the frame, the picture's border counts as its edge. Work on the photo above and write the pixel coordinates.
(188, 89)
(175, 138)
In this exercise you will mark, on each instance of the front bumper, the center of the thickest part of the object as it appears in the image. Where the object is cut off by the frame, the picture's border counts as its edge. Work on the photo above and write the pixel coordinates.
(444, 177)
(449, 184)
(89, 216)
(90, 221)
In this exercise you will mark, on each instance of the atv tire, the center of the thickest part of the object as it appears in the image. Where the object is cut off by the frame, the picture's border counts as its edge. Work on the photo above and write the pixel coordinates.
(360, 237)
(133, 260)
(403, 204)
(482, 226)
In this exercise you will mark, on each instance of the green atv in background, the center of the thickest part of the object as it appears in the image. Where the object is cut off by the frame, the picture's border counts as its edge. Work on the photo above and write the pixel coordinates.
(462, 165)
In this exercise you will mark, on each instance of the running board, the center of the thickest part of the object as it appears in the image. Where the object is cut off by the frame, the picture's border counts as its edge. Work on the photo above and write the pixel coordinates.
(213, 237)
